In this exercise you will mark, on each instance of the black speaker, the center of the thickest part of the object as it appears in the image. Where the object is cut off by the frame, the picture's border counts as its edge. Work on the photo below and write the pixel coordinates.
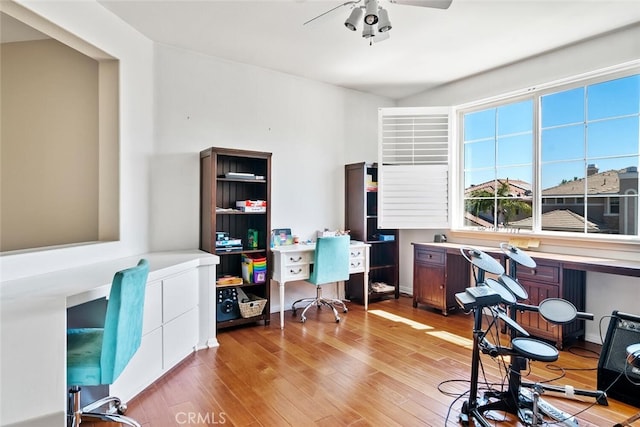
(624, 330)
(227, 304)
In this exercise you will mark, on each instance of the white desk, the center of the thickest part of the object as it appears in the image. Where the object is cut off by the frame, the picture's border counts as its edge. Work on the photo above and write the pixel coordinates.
(33, 327)
(293, 262)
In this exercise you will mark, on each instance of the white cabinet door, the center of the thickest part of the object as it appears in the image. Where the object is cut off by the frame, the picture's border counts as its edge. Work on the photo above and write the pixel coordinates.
(143, 369)
(180, 294)
(152, 317)
(180, 338)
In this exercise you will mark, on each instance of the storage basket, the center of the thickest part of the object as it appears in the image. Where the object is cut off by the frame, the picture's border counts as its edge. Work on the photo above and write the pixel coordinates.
(252, 308)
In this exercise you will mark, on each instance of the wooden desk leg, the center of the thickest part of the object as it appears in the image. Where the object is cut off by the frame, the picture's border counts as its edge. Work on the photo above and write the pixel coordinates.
(281, 286)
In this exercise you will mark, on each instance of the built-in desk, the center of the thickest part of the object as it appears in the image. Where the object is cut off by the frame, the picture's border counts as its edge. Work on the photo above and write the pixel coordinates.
(179, 317)
(440, 271)
(293, 262)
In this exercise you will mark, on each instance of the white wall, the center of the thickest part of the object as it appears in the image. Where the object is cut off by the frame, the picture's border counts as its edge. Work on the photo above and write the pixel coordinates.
(174, 103)
(311, 128)
(91, 22)
(605, 292)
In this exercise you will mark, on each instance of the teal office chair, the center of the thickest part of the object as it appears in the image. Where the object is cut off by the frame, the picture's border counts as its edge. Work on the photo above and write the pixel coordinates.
(331, 264)
(97, 356)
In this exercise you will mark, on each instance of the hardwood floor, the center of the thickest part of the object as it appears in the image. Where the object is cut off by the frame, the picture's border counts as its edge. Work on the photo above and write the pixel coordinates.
(393, 365)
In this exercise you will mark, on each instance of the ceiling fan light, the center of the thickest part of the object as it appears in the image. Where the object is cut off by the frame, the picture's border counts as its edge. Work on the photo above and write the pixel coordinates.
(384, 24)
(368, 31)
(352, 21)
(371, 17)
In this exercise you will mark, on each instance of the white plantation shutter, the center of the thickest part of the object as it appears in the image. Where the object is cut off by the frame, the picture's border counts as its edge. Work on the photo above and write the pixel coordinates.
(413, 167)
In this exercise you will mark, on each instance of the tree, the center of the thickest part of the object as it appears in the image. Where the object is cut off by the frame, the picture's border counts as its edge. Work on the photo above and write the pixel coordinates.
(483, 200)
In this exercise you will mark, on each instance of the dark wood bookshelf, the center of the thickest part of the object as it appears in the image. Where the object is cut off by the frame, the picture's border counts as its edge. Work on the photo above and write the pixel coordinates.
(361, 219)
(218, 196)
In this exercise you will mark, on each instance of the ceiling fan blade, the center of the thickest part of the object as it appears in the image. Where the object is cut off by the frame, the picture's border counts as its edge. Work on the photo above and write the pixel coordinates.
(437, 4)
(347, 3)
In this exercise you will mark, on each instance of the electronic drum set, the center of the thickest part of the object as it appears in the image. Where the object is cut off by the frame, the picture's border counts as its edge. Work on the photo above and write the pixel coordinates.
(501, 299)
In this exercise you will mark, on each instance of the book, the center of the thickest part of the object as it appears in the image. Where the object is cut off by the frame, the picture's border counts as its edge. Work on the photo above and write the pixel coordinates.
(229, 242)
(229, 249)
(240, 175)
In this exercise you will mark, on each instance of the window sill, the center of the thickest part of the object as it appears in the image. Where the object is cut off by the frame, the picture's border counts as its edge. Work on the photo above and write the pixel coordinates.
(623, 248)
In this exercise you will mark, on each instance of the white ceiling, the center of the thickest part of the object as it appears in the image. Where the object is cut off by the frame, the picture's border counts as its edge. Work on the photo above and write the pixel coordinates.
(428, 47)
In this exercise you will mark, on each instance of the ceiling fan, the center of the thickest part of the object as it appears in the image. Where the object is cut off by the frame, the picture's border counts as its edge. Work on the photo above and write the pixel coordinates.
(376, 23)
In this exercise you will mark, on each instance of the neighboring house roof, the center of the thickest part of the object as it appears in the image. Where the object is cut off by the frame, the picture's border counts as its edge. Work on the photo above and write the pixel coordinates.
(607, 182)
(561, 220)
(473, 220)
(517, 188)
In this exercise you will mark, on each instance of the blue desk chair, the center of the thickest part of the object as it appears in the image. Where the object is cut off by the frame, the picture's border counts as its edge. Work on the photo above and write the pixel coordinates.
(331, 265)
(97, 356)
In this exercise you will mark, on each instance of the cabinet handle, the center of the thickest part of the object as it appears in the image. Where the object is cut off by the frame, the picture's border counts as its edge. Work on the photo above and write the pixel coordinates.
(356, 254)
(292, 271)
(358, 264)
(441, 286)
(295, 260)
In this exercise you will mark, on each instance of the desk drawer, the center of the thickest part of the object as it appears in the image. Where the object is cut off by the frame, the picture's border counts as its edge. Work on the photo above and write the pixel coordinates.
(542, 273)
(298, 258)
(356, 265)
(356, 260)
(296, 272)
(429, 256)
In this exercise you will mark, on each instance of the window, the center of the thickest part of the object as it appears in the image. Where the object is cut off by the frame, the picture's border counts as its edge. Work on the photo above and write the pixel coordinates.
(575, 170)
(498, 166)
(614, 205)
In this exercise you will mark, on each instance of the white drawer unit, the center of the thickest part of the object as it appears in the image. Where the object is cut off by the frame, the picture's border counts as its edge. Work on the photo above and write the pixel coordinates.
(357, 260)
(170, 330)
(293, 263)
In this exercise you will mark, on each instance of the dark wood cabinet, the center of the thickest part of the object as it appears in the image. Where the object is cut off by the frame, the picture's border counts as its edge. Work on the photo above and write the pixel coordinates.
(226, 177)
(550, 280)
(440, 271)
(361, 219)
(438, 277)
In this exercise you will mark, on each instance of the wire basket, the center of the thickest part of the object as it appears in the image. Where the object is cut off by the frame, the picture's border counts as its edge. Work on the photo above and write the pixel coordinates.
(252, 308)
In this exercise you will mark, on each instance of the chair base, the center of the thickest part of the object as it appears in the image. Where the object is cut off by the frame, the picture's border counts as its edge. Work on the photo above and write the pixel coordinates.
(114, 413)
(319, 301)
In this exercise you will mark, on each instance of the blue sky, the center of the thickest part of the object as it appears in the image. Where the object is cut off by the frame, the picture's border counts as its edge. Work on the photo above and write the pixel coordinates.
(597, 124)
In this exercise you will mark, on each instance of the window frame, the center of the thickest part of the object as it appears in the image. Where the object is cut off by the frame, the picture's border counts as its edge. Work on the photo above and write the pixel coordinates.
(535, 94)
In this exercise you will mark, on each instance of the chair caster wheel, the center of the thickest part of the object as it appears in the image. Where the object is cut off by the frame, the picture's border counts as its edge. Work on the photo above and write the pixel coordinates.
(303, 319)
(337, 320)
(345, 310)
(121, 408)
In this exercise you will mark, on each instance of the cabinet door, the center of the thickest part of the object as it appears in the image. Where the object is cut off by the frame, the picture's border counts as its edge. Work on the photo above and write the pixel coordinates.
(532, 321)
(428, 285)
(179, 338)
(180, 294)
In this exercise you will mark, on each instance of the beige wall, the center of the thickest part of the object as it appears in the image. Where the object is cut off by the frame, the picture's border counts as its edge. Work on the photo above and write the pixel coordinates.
(49, 146)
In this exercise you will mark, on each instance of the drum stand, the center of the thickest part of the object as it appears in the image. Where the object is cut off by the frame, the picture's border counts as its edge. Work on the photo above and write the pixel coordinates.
(515, 257)
(508, 401)
(517, 399)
